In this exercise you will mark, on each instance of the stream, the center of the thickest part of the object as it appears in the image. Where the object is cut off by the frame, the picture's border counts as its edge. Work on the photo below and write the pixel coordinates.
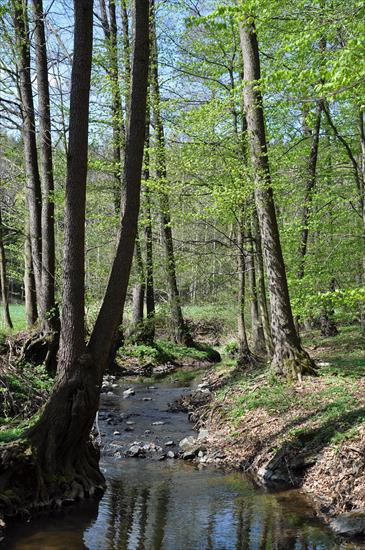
(160, 503)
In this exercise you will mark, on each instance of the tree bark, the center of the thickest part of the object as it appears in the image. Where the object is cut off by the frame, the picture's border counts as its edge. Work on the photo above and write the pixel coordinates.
(110, 33)
(257, 331)
(261, 287)
(289, 358)
(362, 144)
(180, 331)
(33, 184)
(4, 280)
(150, 290)
(114, 299)
(62, 456)
(48, 310)
(311, 181)
(245, 357)
(138, 293)
(31, 313)
(61, 436)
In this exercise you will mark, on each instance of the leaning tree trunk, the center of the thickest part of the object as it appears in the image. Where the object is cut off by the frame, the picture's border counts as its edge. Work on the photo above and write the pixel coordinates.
(33, 184)
(181, 333)
(63, 460)
(4, 280)
(289, 358)
(61, 436)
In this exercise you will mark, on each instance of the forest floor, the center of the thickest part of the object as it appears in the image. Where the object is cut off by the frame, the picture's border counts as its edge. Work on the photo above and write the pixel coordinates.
(309, 434)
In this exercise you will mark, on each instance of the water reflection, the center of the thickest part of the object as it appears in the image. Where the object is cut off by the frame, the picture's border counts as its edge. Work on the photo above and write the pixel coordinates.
(157, 506)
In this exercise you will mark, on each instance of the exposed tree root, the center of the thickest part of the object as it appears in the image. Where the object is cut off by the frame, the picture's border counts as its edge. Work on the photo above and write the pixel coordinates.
(247, 360)
(42, 348)
(26, 489)
(293, 363)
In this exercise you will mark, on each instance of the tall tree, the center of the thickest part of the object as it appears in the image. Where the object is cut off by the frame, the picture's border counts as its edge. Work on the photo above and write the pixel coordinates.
(180, 330)
(289, 357)
(33, 184)
(49, 315)
(60, 439)
(109, 23)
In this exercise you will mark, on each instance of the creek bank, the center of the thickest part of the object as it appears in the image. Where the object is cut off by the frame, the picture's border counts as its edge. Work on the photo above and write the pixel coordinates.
(331, 473)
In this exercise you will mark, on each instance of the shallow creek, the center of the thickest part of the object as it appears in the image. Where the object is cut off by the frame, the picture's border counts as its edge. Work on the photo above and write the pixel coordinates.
(170, 504)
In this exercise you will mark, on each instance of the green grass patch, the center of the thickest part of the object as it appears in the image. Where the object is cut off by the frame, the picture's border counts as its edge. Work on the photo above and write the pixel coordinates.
(17, 314)
(164, 352)
(15, 430)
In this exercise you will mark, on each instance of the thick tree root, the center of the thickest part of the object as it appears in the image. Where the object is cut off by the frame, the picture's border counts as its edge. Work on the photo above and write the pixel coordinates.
(246, 360)
(42, 348)
(25, 489)
(293, 363)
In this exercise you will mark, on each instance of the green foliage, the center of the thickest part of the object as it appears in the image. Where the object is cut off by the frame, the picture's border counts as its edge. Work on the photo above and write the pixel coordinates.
(162, 352)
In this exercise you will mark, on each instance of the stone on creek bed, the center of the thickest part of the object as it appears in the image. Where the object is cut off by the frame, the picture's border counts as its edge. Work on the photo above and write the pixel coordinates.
(127, 393)
(349, 524)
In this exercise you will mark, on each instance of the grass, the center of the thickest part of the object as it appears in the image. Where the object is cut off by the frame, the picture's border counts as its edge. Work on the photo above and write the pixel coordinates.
(16, 430)
(163, 351)
(327, 409)
(17, 314)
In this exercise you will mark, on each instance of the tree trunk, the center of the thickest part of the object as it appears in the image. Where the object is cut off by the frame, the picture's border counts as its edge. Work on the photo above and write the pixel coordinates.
(245, 358)
(110, 33)
(48, 310)
(33, 184)
(261, 287)
(257, 331)
(138, 294)
(61, 436)
(150, 291)
(4, 280)
(289, 358)
(362, 202)
(109, 316)
(31, 313)
(311, 181)
(180, 331)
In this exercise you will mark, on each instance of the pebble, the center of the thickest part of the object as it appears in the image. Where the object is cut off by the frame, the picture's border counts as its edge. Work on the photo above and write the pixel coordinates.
(128, 392)
(169, 443)
(170, 454)
(158, 423)
(147, 399)
(116, 432)
(129, 429)
(130, 422)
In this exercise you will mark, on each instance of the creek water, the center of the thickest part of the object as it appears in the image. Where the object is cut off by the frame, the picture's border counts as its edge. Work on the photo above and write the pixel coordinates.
(153, 504)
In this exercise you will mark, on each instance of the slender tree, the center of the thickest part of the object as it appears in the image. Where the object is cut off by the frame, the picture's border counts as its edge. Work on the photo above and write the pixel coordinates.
(49, 313)
(180, 331)
(3, 279)
(289, 357)
(33, 184)
(109, 23)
